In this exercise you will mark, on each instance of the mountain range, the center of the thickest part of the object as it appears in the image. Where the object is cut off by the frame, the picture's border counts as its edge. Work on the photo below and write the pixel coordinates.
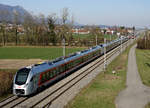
(7, 12)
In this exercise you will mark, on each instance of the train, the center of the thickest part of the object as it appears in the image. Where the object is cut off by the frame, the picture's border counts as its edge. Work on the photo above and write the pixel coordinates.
(30, 79)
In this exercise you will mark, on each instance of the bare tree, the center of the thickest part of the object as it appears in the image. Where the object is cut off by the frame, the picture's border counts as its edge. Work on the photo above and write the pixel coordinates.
(70, 34)
(51, 26)
(16, 22)
(28, 26)
(64, 28)
(95, 31)
(4, 19)
(43, 29)
(65, 15)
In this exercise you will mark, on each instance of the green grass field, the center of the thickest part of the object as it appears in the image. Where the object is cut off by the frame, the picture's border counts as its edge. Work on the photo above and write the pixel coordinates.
(143, 62)
(102, 91)
(113, 37)
(82, 36)
(34, 53)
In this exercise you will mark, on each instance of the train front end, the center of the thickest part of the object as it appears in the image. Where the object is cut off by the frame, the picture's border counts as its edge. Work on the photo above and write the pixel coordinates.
(20, 83)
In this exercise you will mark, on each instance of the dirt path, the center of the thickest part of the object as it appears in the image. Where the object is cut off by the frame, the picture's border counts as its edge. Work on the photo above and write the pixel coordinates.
(17, 63)
(136, 95)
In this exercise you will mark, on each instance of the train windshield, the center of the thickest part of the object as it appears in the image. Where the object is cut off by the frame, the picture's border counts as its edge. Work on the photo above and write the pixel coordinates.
(22, 76)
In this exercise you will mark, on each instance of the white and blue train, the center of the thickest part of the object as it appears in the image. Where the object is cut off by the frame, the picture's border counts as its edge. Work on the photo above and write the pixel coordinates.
(29, 79)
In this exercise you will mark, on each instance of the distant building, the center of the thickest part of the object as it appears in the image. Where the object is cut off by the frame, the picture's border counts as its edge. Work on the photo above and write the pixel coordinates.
(80, 31)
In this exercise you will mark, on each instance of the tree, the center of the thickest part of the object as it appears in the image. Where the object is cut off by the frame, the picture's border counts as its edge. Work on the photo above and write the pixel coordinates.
(31, 29)
(16, 22)
(4, 19)
(51, 25)
(70, 34)
(65, 15)
(43, 29)
(64, 29)
(95, 31)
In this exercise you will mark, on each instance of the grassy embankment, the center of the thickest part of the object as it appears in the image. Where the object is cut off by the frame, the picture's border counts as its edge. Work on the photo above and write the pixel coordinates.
(34, 53)
(102, 91)
(143, 62)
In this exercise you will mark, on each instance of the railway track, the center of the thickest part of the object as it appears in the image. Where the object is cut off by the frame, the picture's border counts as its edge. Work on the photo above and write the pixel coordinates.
(48, 96)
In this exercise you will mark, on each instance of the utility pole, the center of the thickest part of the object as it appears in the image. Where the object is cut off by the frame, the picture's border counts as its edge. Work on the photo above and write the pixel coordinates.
(112, 32)
(118, 34)
(96, 39)
(64, 47)
(121, 44)
(105, 62)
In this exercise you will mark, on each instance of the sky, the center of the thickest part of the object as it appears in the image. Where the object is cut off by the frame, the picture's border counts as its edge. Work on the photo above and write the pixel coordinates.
(93, 12)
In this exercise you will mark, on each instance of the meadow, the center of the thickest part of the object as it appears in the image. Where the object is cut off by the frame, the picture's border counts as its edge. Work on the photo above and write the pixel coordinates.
(113, 37)
(143, 62)
(46, 53)
(85, 36)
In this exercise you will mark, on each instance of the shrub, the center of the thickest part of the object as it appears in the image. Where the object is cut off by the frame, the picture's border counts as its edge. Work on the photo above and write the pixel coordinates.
(144, 43)
(6, 81)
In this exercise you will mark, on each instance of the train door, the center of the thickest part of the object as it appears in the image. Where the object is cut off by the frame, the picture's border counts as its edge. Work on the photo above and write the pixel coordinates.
(33, 82)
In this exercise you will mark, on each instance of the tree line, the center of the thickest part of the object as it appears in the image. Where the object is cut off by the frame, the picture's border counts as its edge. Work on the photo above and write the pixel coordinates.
(144, 42)
(41, 30)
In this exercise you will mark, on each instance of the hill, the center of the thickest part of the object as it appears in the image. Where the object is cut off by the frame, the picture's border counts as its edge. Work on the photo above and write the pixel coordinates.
(7, 12)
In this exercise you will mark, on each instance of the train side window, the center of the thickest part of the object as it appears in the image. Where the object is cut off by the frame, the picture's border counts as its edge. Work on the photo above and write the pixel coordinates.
(47, 76)
(54, 72)
(71, 64)
(67, 66)
(43, 77)
(74, 63)
(63, 68)
(57, 70)
(51, 74)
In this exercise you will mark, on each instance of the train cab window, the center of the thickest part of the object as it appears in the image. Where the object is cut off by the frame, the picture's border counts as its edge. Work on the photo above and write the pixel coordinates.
(22, 75)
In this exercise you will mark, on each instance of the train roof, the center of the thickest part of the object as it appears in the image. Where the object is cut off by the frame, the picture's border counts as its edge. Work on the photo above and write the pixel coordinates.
(61, 60)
